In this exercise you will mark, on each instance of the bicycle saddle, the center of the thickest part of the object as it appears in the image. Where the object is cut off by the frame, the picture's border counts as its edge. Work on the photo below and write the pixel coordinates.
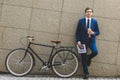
(56, 41)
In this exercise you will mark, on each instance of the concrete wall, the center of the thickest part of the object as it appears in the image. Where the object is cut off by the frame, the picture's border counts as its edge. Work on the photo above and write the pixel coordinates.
(57, 19)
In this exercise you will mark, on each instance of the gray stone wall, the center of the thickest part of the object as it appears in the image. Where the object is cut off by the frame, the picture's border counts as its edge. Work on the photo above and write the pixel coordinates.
(57, 19)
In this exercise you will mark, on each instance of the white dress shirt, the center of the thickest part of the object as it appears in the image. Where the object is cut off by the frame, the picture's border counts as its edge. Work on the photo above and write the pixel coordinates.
(87, 21)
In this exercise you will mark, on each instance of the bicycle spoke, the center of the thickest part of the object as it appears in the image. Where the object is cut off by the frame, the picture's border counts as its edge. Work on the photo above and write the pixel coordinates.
(60, 57)
(17, 64)
(65, 63)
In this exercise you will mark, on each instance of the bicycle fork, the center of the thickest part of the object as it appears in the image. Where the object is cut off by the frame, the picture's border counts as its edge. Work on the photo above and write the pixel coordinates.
(24, 55)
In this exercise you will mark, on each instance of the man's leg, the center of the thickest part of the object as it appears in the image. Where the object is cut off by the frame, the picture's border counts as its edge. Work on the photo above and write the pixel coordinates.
(84, 64)
(94, 51)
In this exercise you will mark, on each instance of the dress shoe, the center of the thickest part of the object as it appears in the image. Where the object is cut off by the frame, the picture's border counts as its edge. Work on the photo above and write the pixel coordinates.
(86, 76)
(88, 60)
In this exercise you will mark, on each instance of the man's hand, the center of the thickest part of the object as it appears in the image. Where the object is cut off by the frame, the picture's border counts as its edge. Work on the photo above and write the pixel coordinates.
(79, 44)
(90, 32)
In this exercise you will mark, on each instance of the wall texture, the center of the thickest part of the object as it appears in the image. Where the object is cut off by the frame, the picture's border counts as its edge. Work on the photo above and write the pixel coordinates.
(57, 19)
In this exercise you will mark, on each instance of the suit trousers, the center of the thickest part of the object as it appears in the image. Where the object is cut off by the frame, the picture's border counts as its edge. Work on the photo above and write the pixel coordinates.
(94, 50)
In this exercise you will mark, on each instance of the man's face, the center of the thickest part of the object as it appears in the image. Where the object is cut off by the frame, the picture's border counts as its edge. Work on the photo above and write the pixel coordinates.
(89, 13)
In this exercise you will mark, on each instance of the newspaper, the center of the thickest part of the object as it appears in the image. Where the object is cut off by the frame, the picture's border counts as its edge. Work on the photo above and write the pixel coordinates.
(83, 49)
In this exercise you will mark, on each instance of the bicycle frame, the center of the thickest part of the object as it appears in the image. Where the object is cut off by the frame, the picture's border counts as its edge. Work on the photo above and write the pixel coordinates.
(33, 52)
(62, 59)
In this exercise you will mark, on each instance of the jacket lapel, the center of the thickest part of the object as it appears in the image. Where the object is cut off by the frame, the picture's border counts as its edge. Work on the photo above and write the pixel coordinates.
(84, 23)
(92, 23)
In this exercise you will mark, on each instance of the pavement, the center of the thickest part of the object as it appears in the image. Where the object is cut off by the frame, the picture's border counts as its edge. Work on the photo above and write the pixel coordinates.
(47, 77)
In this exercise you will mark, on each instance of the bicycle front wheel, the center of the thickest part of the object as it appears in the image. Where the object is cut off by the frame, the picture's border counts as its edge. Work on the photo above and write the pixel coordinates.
(65, 63)
(19, 64)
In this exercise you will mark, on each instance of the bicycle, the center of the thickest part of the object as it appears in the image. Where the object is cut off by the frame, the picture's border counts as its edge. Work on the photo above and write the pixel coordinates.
(62, 60)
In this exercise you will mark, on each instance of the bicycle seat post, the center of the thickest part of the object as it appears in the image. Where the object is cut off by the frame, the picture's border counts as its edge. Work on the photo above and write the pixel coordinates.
(55, 44)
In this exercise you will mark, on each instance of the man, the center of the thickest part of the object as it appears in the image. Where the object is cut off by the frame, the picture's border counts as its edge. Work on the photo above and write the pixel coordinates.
(86, 32)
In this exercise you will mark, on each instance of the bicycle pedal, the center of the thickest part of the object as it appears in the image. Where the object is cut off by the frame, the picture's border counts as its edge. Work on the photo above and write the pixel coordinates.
(41, 68)
(44, 67)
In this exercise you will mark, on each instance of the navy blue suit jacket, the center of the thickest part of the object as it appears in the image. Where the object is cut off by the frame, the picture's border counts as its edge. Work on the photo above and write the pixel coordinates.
(81, 32)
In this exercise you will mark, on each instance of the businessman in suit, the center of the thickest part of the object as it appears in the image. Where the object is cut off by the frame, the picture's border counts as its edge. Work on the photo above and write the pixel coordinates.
(86, 32)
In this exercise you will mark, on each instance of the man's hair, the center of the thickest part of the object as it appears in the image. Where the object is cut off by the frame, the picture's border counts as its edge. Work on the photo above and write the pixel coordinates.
(88, 8)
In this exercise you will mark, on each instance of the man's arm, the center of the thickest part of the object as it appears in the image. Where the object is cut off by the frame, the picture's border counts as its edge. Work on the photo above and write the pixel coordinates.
(78, 32)
(78, 35)
(96, 32)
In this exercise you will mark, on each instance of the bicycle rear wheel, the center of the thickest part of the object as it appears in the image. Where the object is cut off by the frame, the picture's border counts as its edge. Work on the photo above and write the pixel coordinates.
(19, 64)
(65, 63)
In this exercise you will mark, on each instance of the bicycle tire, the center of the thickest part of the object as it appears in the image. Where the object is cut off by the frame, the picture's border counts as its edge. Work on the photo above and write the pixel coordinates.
(65, 63)
(15, 63)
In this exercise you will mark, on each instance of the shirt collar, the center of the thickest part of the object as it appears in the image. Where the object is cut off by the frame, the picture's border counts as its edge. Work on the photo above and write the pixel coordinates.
(88, 18)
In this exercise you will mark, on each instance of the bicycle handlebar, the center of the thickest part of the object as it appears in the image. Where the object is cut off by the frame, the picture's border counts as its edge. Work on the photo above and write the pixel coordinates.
(30, 38)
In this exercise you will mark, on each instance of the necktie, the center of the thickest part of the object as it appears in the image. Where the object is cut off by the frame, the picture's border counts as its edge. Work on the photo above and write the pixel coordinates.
(88, 26)
(88, 23)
